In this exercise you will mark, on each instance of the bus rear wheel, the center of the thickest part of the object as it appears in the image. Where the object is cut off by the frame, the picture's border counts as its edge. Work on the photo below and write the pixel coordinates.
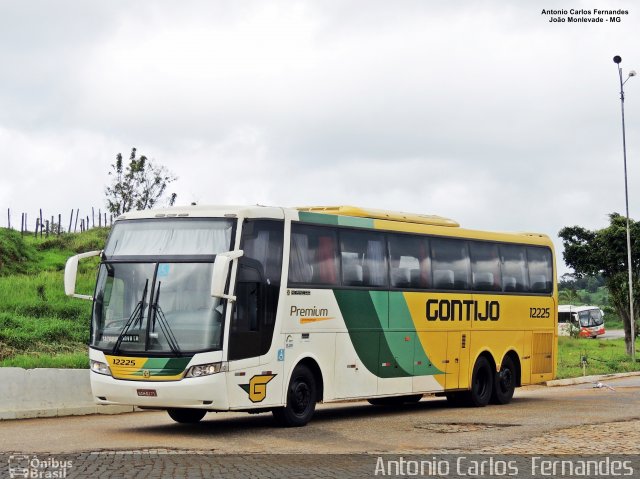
(301, 399)
(481, 384)
(186, 416)
(504, 384)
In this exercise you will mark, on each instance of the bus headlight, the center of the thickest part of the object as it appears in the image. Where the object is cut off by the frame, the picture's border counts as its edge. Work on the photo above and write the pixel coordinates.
(206, 369)
(100, 368)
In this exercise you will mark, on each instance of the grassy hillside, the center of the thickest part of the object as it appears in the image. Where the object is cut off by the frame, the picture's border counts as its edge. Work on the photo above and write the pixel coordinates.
(39, 325)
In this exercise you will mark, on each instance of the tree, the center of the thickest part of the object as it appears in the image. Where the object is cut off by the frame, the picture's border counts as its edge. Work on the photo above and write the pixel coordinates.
(604, 252)
(137, 186)
(569, 296)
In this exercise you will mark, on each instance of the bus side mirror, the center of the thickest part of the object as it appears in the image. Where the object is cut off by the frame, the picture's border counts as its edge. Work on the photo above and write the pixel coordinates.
(221, 272)
(71, 271)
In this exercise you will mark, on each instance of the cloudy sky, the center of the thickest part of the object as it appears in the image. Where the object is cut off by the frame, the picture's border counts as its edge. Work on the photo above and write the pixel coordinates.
(482, 111)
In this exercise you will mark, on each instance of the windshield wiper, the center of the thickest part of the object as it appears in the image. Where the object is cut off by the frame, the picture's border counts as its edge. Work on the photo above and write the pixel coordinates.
(158, 314)
(135, 318)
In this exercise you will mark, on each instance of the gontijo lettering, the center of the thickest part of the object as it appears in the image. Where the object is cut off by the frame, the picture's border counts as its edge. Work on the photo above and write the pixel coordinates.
(459, 310)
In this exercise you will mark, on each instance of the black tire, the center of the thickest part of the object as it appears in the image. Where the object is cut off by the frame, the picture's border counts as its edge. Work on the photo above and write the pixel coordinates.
(301, 399)
(504, 383)
(395, 400)
(481, 384)
(186, 416)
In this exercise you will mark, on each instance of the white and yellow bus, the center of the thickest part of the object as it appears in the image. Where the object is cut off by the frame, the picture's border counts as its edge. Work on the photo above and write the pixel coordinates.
(257, 308)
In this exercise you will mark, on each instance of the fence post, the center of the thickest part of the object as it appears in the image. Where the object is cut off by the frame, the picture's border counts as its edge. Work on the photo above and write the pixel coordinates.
(37, 221)
(47, 230)
(75, 227)
(41, 223)
(22, 225)
(59, 224)
(8, 218)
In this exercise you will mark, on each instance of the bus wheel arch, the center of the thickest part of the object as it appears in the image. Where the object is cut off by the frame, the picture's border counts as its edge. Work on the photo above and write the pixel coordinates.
(314, 367)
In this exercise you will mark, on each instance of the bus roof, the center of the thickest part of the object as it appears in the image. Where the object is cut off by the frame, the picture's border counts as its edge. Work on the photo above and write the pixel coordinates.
(381, 215)
(345, 216)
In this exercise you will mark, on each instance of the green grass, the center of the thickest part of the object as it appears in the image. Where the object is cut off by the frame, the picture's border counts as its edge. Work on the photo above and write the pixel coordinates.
(604, 356)
(39, 325)
(77, 360)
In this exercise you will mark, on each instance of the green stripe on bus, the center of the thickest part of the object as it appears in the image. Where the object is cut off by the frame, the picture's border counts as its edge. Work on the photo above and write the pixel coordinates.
(164, 366)
(365, 317)
(400, 319)
(383, 334)
(335, 220)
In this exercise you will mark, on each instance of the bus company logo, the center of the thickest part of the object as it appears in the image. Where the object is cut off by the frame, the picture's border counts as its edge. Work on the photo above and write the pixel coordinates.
(457, 310)
(257, 387)
(21, 465)
(146, 374)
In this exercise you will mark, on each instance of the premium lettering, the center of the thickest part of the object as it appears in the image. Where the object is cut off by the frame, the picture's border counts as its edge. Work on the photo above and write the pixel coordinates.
(301, 312)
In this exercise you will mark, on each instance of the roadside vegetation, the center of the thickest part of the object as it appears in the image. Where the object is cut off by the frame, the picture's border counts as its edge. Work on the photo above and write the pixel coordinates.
(601, 356)
(39, 325)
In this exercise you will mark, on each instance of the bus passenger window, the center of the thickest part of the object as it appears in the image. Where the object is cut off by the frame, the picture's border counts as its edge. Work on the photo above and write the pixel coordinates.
(313, 258)
(409, 262)
(485, 266)
(540, 270)
(514, 268)
(364, 259)
(450, 263)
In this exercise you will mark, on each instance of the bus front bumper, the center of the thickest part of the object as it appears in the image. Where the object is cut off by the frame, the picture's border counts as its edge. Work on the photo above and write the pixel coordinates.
(206, 392)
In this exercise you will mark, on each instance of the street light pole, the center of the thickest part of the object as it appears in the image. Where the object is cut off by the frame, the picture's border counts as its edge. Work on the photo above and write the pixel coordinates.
(617, 59)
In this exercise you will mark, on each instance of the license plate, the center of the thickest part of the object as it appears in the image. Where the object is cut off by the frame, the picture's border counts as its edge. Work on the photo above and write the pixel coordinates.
(147, 392)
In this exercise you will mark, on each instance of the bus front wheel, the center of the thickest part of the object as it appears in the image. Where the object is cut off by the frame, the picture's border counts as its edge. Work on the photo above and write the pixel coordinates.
(505, 382)
(301, 399)
(186, 416)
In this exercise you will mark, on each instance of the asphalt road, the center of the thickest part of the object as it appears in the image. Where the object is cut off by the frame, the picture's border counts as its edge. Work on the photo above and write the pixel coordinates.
(535, 416)
(613, 334)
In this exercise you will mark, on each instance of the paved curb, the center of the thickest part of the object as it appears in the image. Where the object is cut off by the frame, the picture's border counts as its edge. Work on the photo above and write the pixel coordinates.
(63, 411)
(589, 379)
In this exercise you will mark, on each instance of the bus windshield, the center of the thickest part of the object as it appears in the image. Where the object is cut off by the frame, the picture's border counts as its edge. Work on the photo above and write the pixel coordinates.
(592, 317)
(153, 288)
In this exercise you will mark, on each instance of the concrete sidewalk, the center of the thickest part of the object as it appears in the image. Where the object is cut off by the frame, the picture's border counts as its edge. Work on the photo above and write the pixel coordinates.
(26, 393)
